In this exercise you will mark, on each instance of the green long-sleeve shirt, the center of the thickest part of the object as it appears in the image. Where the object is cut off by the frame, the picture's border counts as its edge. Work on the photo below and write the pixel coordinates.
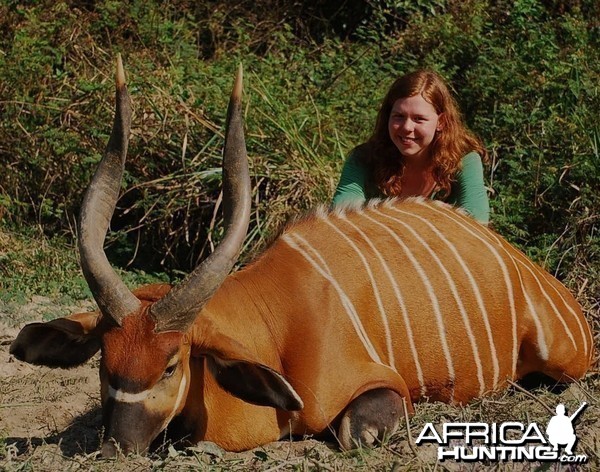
(467, 191)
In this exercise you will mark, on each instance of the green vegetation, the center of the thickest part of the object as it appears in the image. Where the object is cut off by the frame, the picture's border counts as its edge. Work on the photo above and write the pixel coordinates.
(31, 264)
(526, 74)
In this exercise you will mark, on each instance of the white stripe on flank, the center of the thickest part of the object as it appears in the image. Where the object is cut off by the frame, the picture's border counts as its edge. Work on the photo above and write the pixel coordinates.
(577, 319)
(541, 336)
(314, 254)
(325, 273)
(507, 280)
(474, 287)
(430, 292)
(519, 257)
(125, 397)
(401, 304)
(549, 300)
(455, 294)
(376, 293)
(382, 313)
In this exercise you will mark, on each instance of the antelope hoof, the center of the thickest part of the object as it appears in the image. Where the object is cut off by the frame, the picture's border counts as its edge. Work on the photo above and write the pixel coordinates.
(370, 419)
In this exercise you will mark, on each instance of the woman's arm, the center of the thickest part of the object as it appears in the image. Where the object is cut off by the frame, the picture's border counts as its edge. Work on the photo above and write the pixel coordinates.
(351, 187)
(469, 192)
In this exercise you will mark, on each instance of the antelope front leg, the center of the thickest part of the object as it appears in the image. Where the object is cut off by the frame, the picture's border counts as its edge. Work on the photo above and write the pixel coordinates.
(370, 418)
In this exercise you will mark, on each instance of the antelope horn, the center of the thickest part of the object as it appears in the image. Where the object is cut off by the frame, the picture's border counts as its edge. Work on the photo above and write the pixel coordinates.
(113, 297)
(179, 308)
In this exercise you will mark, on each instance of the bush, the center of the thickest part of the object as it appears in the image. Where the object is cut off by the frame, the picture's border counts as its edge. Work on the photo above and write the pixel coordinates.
(525, 73)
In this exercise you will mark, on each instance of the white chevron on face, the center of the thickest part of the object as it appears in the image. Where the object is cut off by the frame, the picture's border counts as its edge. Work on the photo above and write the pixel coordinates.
(178, 401)
(126, 397)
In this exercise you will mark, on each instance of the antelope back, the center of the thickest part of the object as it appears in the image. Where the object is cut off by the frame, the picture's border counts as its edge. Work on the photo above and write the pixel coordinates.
(427, 291)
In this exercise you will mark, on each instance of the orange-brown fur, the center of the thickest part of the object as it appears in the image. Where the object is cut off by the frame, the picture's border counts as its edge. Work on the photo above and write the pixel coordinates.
(279, 312)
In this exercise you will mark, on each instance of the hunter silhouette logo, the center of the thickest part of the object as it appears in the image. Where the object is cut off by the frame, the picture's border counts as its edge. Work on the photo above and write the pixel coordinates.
(508, 441)
(560, 429)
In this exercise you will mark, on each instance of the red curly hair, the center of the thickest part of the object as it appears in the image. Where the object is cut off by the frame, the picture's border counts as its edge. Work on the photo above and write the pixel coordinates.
(447, 149)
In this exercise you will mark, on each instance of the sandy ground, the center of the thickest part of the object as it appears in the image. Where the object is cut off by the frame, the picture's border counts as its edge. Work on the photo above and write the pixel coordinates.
(42, 405)
(50, 419)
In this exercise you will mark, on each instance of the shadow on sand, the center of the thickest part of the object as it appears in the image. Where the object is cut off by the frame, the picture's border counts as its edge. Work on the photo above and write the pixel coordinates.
(82, 436)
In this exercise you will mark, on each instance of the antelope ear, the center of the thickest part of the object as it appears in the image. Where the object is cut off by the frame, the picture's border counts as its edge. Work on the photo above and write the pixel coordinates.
(255, 383)
(235, 370)
(64, 342)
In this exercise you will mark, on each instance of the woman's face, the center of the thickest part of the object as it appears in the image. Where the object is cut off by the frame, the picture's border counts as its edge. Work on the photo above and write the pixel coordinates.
(412, 125)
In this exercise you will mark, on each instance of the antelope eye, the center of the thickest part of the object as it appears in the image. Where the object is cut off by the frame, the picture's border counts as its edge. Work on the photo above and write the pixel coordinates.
(169, 371)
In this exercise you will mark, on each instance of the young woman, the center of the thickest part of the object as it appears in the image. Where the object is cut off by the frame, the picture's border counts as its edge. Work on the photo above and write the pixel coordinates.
(420, 146)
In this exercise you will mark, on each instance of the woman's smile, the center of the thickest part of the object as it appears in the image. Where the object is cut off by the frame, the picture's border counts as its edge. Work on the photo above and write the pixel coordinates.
(412, 125)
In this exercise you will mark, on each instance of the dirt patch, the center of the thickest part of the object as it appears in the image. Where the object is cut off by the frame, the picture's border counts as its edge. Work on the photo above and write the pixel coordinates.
(39, 404)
